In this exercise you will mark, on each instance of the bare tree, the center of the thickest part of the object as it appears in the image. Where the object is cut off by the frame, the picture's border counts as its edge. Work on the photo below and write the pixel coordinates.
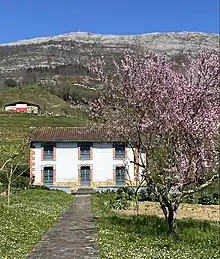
(11, 178)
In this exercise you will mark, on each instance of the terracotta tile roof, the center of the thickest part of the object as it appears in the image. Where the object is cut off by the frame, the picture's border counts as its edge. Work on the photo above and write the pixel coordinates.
(73, 134)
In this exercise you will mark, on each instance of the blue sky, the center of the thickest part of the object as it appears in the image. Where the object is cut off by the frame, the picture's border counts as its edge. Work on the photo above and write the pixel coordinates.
(22, 19)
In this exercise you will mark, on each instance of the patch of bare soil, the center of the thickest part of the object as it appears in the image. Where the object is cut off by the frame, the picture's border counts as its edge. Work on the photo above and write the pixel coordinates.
(192, 211)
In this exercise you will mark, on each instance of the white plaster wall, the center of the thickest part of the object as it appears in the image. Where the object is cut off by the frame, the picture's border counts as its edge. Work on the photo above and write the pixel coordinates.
(102, 162)
(67, 162)
(37, 162)
(9, 108)
(130, 157)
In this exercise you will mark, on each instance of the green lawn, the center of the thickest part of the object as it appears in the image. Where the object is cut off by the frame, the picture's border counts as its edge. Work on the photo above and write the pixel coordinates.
(124, 236)
(24, 121)
(32, 212)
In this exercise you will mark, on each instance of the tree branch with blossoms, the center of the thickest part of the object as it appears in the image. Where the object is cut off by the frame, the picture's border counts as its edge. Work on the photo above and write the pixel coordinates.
(171, 114)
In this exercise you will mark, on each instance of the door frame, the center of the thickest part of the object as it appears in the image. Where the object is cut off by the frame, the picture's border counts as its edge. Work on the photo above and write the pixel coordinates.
(42, 173)
(79, 174)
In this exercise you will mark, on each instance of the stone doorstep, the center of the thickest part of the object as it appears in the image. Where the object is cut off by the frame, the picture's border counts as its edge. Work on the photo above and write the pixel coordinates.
(85, 190)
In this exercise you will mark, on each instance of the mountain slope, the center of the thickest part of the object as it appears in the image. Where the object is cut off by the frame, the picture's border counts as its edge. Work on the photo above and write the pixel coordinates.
(75, 47)
(37, 95)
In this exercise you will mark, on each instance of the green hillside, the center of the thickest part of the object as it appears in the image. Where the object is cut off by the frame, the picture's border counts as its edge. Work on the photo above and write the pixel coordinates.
(14, 127)
(23, 121)
(34, 94)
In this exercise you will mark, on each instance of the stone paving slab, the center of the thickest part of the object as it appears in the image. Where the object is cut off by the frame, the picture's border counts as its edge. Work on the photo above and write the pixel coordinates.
(73, 236)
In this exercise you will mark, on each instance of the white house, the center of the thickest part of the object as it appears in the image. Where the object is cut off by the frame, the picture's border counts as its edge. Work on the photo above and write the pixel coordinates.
(74, 157)
(21, 106)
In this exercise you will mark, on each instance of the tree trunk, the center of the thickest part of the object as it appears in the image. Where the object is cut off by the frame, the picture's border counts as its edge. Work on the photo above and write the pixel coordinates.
(164, 209)
(9, 193)
(137, 205)
(9, 185)
(171, 219)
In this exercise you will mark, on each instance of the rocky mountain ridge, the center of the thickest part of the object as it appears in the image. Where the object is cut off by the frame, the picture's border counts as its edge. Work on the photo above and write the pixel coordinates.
(107, 38)
(74, 48)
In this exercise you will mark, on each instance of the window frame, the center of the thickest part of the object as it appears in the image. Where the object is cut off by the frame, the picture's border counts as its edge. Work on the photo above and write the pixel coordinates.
(84, 154)
(90, 167)
(119, 155)
(49, 176)
(48, 155)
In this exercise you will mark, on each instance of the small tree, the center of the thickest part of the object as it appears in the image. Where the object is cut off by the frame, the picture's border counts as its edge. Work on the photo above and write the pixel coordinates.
(172, 115)
(138, 181)
(10, 82)
(12, 177)
(10, 157)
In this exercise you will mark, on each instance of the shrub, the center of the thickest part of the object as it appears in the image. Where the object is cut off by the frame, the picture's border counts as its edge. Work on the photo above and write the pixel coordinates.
(39, 187)
(19, 181)
(189, 198)
(10, 82)
(146, 195)
(206, 199)
(142, 195)
(109, 191)
(216, 195)
(154, 197)
(216, 198)
(119, 200)
(119, 203)
(127, 190)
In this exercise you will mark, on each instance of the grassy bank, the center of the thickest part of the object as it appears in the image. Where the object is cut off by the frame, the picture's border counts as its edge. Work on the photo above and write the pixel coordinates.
(129, 236)
(24, 120)
(32, 212)
(33, 94)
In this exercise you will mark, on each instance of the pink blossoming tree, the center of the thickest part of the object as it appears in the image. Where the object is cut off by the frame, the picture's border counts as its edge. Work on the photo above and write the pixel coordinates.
(171, 114)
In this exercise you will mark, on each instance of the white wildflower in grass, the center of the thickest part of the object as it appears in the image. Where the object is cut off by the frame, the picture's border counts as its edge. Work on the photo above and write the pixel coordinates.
(138, 237)
(32, 212)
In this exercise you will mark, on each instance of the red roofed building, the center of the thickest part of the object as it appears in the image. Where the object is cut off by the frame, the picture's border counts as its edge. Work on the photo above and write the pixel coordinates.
(21, 106)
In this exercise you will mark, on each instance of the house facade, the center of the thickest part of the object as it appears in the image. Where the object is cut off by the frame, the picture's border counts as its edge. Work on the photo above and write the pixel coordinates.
(76, 157)
(21, 106)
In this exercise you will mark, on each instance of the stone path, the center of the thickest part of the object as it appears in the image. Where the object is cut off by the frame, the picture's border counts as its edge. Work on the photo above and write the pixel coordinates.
(73, 236)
